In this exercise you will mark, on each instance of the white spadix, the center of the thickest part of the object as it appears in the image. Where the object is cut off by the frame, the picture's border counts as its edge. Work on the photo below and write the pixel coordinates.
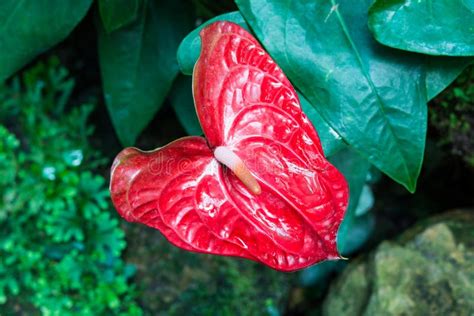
(227, 157)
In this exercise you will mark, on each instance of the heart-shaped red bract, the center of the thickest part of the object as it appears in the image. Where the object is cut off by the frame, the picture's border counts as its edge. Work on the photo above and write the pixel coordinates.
(246, 105)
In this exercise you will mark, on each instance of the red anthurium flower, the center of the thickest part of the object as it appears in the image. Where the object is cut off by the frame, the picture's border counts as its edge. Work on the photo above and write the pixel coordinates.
(258, 186)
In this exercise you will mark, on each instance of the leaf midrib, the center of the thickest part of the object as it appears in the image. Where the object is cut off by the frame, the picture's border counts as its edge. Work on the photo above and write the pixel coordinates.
(366, 75)
(372, 87)
(140, 47)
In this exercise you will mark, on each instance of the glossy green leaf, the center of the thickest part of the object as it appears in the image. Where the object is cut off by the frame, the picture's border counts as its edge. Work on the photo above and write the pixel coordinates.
(29, 27)
(117, 13)
(190, 47)
(366, 201)
(138, 65)
(441, 27)
(373, 96)
(181, 98)
(441, 71)
(355, 229)
(331, 141)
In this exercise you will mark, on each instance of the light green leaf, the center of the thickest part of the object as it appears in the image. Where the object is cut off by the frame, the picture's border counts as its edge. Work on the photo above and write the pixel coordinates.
(374, 97)
(117, 13)
(138, 65)
(181, 98)
(190, 47)
(442, 27)
(29, 27)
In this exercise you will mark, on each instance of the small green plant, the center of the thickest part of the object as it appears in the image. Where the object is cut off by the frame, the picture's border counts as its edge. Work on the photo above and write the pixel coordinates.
(452, 114)
(60, 247)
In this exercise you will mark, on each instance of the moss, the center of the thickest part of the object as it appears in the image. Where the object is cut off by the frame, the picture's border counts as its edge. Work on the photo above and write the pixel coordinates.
(427, 271)
(354, 288)
(176, 282)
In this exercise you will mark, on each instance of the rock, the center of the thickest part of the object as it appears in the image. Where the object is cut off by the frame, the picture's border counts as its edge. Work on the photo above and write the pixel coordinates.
(429, 270)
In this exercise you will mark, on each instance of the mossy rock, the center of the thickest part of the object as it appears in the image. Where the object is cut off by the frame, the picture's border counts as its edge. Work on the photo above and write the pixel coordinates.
(429, 270)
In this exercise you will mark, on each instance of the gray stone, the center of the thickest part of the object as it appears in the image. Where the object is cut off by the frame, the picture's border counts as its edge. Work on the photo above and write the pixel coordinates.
(429, 270)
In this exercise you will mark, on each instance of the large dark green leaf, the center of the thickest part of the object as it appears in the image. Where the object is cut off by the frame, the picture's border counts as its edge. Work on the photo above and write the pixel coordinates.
(331, 141)
(138, 65)
(356, 227)
(373, 96)
(441, 71)
(181, 98)
(441, 27)
(190, 47)
(117, 13)
(29, 27)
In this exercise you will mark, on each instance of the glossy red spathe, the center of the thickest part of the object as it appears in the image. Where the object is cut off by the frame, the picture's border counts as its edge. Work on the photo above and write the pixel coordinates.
(247, 106)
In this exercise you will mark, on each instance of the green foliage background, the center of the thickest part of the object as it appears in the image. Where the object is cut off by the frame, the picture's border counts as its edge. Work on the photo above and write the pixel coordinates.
(60, 248)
